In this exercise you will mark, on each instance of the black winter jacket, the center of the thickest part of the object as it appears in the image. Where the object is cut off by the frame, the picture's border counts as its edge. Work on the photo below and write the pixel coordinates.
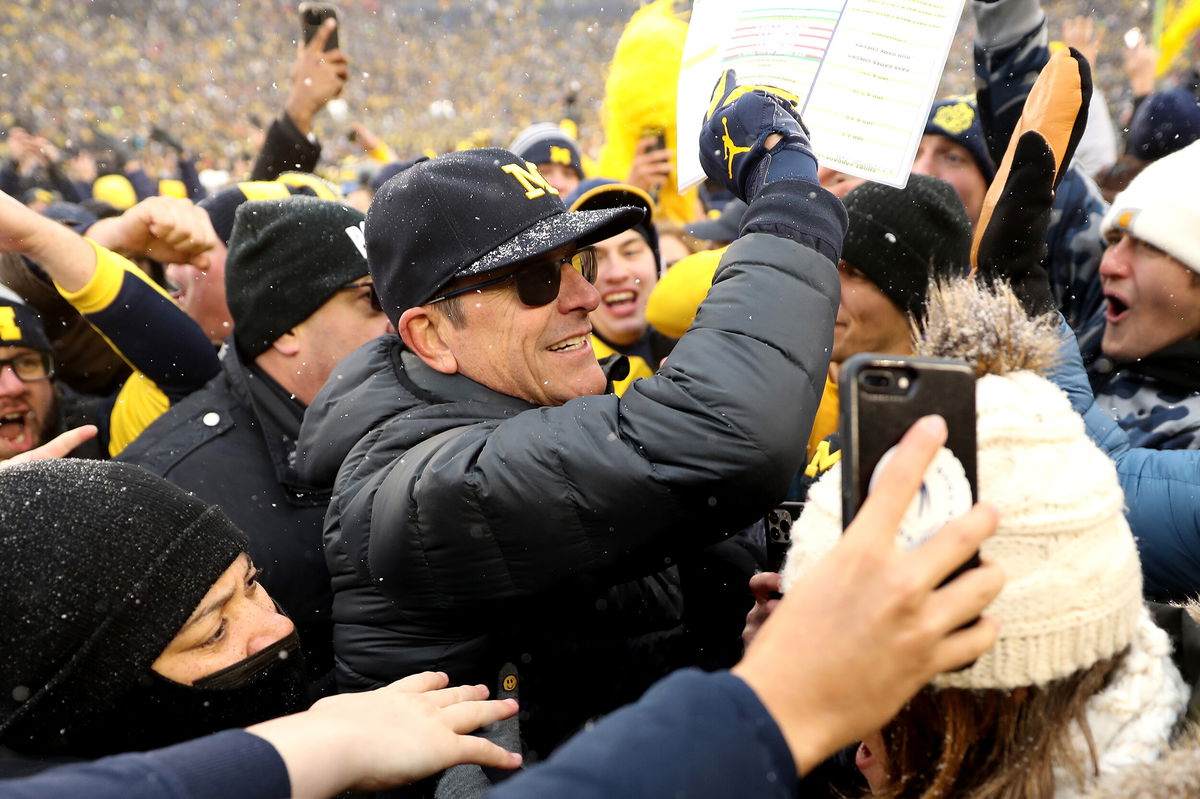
(468, 528)
(231, 444)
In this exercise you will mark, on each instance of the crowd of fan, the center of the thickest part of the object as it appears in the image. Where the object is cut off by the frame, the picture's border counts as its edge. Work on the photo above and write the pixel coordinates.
(425, 76)
(184, 66)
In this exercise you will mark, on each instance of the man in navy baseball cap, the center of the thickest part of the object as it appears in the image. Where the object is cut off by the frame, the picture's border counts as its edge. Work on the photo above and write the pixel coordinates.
(494, 510)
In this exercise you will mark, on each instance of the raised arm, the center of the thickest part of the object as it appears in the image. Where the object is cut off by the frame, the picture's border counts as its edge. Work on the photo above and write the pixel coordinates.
(392, 736)
(28, 233)
(317, 77)
(170, 354)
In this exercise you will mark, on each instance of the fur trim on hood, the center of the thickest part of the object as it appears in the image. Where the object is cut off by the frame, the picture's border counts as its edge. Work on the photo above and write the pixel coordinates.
(1176, 775)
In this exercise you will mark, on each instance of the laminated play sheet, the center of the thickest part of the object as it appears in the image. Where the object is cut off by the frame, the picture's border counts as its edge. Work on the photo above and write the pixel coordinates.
(865, 72)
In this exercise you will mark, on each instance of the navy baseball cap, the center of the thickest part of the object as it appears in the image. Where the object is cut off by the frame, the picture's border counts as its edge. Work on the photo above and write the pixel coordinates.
(468, 213)
(596, 193)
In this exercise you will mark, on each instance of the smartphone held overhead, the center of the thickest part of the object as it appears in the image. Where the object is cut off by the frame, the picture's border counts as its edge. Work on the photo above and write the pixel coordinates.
(313, 16)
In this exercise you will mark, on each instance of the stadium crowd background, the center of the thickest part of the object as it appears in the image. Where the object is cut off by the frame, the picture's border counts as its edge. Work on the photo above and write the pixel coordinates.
(426, 74)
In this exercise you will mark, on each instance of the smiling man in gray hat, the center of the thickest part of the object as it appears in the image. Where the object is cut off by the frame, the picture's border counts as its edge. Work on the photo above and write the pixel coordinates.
(492, 504)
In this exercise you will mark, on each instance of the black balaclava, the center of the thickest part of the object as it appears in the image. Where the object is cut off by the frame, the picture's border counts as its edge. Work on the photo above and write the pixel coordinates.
(105, 564)
(158, 712)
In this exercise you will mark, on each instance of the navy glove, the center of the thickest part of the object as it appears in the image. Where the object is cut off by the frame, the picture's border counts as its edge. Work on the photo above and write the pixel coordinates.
(733, 141)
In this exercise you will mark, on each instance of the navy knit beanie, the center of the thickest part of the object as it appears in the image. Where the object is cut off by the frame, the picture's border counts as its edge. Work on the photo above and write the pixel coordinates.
(1165, 122)
(547, 143)
(958, 120)
(20, 325)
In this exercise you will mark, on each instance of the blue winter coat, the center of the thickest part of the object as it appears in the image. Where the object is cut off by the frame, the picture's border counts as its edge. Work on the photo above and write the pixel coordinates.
(1162, 489)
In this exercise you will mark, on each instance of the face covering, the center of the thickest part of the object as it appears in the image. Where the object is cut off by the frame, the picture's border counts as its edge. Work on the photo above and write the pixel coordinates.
(158, 712)
(244, 671)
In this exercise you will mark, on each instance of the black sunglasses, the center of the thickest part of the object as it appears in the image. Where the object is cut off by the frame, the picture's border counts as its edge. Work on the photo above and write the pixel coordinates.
(372, 296)
(30, 367)
(539, 282)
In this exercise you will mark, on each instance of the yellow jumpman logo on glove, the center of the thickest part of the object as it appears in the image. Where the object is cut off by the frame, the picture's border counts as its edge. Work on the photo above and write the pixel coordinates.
(731, 149)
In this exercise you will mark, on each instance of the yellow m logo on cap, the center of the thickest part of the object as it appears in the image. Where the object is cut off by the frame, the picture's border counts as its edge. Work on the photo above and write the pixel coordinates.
(9, 329)
(822, 460)
(530, 179)
(560, 155)
(954, 119)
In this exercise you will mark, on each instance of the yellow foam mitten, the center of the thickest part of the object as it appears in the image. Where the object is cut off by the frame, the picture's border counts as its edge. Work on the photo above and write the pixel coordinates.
(639, 95)
(673, 303)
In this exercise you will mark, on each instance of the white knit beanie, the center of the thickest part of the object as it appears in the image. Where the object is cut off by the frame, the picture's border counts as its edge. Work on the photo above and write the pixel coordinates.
(1073, 588)
(1161, 206)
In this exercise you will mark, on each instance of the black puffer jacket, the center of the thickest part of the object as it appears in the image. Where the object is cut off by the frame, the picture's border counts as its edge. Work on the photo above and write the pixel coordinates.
(468, 528)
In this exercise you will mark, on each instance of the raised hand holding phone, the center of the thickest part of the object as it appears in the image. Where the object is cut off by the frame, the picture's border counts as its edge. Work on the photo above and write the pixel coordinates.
(320, 71)
(874, 621)
(312, 19)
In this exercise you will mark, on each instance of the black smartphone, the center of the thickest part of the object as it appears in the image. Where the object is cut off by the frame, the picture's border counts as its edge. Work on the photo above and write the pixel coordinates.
(658, 134)
(779, 532)
(880, 397)
(312, 16)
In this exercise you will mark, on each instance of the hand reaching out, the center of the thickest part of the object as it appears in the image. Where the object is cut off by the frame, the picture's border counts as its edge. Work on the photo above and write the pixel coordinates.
(364, 137)
(167, 229)
(1141, 62)
(58, 447)
(170, 230)
(1081, 33)
(390, 736)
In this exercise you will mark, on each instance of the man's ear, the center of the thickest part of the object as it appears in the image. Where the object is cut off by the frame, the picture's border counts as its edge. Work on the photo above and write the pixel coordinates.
(288, 344)
(422, 334)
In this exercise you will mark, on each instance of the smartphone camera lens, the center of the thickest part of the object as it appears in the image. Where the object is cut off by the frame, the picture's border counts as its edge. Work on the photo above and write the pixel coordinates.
(877, 380)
